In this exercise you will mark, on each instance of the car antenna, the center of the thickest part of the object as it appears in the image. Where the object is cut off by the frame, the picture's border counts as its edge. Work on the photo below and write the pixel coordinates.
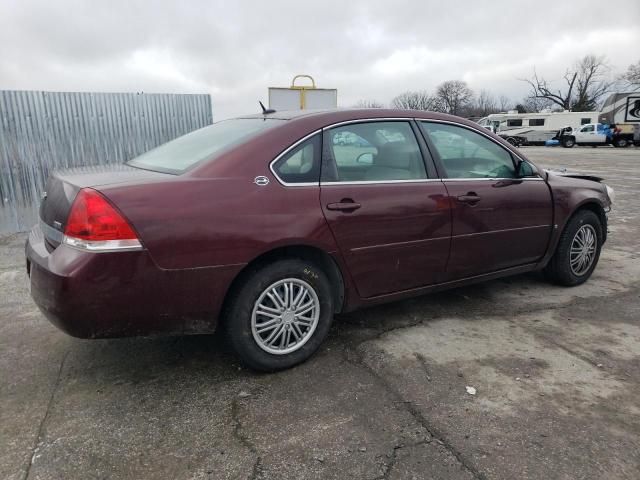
(266, 111)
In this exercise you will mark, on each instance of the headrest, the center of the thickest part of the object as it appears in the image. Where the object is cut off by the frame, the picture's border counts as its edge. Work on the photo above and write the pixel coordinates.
(393, 155)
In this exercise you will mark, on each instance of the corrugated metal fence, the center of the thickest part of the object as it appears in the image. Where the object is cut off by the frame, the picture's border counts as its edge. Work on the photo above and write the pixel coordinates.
(45, 131)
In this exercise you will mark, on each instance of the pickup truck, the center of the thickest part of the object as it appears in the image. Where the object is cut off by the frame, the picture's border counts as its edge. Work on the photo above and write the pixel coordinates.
(594, 134)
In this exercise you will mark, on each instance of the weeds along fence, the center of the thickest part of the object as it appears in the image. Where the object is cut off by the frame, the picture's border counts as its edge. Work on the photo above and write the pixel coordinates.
(45, 131)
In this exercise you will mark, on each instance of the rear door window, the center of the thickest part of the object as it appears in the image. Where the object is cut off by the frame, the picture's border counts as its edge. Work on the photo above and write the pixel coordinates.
(372, 152)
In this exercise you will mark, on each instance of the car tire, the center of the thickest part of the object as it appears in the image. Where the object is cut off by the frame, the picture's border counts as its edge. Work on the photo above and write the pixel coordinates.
(568, 142)
(620, 143)
(564, 268)
(512, 141)
(253, 305)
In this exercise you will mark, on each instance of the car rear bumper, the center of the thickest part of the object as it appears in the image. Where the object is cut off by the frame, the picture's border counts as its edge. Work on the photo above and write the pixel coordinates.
(118, 294)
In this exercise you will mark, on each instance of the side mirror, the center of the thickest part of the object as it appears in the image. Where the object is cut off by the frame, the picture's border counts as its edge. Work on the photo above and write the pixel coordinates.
(525, 169)
(365, 159)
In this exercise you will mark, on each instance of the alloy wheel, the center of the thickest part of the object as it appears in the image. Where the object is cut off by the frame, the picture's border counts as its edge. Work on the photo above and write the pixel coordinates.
(285, 316)
(583, 250)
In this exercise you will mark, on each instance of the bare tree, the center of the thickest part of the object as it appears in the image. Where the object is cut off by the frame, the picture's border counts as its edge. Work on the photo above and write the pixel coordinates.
(505, 103)
(368, 104)
(454, 96)
(540, 88)
(535, 104)
(591, 84)
(632, 76)
(585, 85)
(419, 100)
(485, 104)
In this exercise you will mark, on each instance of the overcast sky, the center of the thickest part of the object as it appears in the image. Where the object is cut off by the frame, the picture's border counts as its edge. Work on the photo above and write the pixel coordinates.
(366, 49)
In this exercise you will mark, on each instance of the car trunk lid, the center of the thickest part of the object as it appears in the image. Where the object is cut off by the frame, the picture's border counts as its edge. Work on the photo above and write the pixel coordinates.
(63, 186)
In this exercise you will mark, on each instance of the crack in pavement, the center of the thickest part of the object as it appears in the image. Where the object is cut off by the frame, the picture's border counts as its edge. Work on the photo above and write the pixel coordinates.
(388, 467)
(394, 458)
(257, 469)
(417, 415)
(243, 439)
(38, 441)
(423, 363)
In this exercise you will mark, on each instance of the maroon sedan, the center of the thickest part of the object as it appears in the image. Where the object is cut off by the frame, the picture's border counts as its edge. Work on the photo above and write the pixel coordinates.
(267, 225)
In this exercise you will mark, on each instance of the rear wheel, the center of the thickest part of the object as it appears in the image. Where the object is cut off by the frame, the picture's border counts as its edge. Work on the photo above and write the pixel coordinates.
(578, 250)
(280, 315)
(568, 142)
(620, 142)
(512, 141)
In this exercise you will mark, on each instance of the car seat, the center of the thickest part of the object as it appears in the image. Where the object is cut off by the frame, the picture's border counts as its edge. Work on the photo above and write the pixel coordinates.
(395, 161)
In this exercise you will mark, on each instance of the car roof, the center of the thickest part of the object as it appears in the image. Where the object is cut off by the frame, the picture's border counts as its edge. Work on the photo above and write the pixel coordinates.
(298, 124)
(288, 114)
(342, 113)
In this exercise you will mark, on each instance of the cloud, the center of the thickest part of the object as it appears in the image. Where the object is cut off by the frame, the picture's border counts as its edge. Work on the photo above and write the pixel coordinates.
(366, 49)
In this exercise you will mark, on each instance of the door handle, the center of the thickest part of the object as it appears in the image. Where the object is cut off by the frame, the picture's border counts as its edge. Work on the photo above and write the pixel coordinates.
(471, 198)
(345, 205)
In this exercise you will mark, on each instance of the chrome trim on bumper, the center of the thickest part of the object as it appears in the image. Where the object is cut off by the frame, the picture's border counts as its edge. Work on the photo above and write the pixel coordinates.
(103, 245)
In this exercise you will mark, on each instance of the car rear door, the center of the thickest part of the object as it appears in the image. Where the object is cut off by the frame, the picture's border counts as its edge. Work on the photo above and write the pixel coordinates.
(391, 220)
(499, 220)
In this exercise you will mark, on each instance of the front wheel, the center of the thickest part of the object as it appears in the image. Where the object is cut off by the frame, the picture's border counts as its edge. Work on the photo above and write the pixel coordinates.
(578, 250)
(280, 315)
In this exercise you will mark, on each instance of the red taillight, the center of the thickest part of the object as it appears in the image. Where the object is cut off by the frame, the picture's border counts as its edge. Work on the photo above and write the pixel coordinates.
(92, 218)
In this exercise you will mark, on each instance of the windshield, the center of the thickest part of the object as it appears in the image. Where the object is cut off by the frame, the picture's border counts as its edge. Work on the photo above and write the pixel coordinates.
(178, 155)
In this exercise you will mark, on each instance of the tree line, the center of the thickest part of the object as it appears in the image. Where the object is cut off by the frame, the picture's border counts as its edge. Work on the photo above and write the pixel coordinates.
(583, 87)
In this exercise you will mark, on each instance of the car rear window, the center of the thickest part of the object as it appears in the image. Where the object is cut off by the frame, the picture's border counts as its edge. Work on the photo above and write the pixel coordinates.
(184, 152)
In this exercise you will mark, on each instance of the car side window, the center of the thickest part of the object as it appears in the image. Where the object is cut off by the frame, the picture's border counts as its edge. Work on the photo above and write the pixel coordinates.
(301, 164)
(467, 154)
(372, 152)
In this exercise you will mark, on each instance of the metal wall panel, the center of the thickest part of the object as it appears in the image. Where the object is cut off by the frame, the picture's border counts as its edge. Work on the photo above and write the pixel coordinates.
(44, 131)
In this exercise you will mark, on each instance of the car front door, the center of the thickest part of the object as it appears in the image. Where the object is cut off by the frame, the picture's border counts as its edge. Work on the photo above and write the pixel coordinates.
(500, 219)
(391, 221)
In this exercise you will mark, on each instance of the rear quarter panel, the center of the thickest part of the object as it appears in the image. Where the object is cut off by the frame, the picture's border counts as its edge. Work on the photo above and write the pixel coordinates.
(203, 222)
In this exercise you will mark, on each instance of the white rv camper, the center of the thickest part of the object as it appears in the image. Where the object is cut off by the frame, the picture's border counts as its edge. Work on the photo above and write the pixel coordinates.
(623, 110)
(534, 128)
